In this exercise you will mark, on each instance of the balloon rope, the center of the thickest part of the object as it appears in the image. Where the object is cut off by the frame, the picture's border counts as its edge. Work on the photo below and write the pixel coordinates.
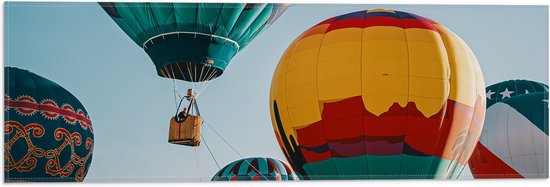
(227, 143)
(175, 90)
(183, 77)
(190, 74)
(212, 155)
(207, 73)
(175, 87)
(194, 73)
(200, 74)
(179, 69)
(197, 161)
(172, 71)
(207, 82)
(203, 84)
(199, 81)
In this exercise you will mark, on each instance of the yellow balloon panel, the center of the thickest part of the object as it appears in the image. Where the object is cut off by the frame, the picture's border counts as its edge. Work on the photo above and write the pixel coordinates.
(385, 68)
(316, 30)
(461, 68)
(380, 92)
(339, 67)
(427, 54)
(428, 94)
(278, 91)
(303, 63)
(301, 77)
(302, 69)
(384, 33)
(304, 115)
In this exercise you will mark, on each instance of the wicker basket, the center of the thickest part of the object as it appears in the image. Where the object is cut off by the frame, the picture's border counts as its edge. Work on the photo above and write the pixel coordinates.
(187, 132)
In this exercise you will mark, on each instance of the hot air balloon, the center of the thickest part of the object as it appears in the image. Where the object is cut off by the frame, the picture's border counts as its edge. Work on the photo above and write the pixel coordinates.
(48, 135)
(514, 140)
(377, 94)
(256, 169)
(192, 42)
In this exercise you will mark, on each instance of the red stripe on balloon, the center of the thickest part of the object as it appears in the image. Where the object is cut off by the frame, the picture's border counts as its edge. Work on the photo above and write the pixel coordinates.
(347, 129)
(416, 23)
(484, 165)
(347, 23)
(383, 21)
(331, 25)
(380, 21)
(327, 21)
(47, 108)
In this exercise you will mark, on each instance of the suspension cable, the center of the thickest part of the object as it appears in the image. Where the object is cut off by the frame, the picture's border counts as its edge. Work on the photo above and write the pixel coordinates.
(175, 90)
(223, 139)
(255, 169)
(212, 155)
(207, 82)
(197, 161)
(175, 83)
(202, 84)
(194, 74)
(200, 74)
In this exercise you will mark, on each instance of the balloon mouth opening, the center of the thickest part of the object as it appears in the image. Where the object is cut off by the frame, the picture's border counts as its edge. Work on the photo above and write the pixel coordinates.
(190, 57)
(190, 71)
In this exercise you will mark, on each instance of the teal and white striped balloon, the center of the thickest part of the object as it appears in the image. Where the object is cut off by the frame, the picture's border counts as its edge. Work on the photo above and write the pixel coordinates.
(514, 140)
(256, 169)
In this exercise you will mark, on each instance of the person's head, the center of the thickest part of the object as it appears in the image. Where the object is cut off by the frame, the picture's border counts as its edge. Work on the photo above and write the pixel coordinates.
(185, 110)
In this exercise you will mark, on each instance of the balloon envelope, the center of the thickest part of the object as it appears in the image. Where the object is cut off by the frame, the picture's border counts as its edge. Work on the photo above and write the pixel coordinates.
(514, 140)
(48, 134)
(192, 41)
(377, 94)
(254, 169)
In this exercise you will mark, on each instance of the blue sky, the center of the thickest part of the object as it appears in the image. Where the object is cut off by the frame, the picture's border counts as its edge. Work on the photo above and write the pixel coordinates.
(78, 46)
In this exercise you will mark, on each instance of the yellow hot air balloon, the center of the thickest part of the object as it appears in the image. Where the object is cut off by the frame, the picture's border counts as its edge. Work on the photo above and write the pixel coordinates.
(378, 94)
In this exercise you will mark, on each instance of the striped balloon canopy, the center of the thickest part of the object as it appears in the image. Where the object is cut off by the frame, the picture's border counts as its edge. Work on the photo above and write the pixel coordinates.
(378, 94)
(514, 140)
(256, 169)
(48, 135)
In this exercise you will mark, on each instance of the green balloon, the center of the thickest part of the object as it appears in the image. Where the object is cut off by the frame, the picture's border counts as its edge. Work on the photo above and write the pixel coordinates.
(192, 41)
(48, 134)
